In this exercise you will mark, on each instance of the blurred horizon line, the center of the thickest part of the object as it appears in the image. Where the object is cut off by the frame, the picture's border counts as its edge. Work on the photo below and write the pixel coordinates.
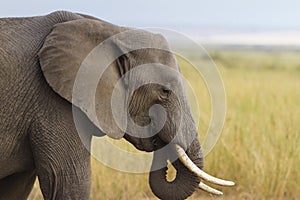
(243, 37)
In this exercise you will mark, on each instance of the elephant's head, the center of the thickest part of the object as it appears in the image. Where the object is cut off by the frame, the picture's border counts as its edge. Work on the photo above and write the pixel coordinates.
(151, 92)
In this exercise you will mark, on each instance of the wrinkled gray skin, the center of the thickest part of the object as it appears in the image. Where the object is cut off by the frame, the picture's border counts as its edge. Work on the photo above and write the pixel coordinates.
(39, 58)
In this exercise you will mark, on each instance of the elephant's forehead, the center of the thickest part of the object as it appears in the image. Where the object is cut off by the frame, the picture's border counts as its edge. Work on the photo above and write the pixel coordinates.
(156, 73)
(153, 55)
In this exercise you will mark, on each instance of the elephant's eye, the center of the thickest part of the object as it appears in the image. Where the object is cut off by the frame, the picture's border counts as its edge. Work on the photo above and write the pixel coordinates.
(165, 92)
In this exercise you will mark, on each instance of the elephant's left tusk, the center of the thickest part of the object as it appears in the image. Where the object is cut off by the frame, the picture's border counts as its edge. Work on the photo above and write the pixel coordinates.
(206, 188)
(201, 174)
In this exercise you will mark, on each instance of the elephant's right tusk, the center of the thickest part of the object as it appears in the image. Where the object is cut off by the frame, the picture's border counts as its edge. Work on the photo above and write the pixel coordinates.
(201, 174)
(206, 188)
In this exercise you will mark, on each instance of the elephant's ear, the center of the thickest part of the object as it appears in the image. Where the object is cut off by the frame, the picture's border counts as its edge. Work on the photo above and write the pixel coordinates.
(62, 56)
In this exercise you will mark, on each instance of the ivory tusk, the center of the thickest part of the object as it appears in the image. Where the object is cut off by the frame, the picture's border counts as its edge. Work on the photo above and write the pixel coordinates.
(201, 174)
(206, 188)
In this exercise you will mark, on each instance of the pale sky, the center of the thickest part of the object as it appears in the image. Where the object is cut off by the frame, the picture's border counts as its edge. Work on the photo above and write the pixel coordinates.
(171, 13)
(210, 20)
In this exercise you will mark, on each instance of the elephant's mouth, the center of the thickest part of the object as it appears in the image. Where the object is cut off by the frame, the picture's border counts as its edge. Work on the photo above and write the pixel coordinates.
(146, 144)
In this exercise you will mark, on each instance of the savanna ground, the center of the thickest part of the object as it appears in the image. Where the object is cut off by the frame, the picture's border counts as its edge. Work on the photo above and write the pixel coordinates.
(260, 144)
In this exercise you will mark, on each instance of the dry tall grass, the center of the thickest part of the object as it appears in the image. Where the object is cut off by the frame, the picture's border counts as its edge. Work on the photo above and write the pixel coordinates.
(260, 144)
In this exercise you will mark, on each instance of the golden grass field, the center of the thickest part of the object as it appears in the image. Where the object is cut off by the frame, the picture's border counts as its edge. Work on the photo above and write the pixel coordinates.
(260, 144)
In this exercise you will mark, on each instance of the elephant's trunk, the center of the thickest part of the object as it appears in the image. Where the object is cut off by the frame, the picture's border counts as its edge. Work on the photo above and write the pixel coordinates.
(185, 182)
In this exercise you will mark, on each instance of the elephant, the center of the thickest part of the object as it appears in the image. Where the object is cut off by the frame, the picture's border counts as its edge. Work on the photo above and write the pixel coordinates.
(39, 58)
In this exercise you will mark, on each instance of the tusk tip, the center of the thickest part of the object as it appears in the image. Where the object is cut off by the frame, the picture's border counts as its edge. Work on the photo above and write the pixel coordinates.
(231, 183)
(228, 183)
(209, 189)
